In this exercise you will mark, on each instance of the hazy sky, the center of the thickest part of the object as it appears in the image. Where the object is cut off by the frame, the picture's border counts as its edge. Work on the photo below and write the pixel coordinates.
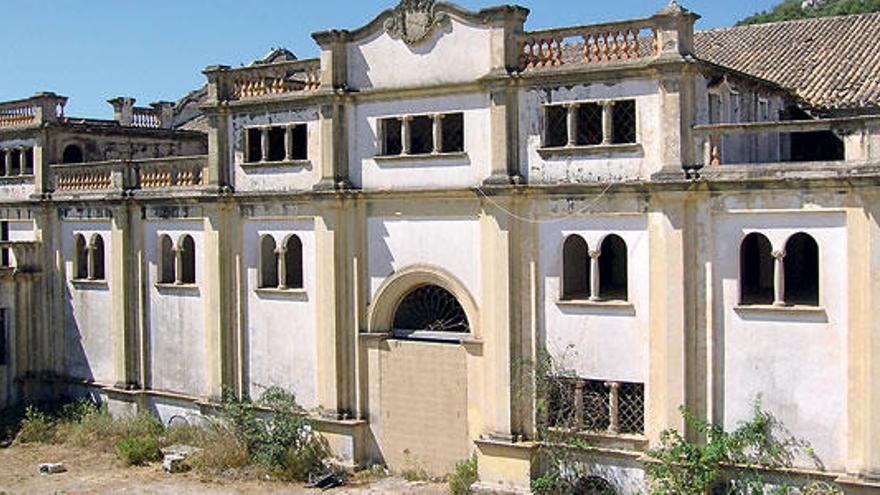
(93, 50)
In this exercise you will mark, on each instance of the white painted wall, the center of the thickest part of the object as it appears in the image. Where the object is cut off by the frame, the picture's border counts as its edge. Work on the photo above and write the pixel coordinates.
(598, 343)
(281, 177)
(797, 363)
(451, 243)
(176, 322)
(591, 166)
(420, 173)
(88, 341)
(281, 336)
(456, 52)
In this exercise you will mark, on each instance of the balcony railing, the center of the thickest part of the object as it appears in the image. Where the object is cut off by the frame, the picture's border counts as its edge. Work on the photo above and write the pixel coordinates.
(42, 107)
(123, 175)
(267, 80)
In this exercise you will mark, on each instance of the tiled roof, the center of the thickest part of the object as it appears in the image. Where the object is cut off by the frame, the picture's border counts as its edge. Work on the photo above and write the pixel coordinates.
(830, 63)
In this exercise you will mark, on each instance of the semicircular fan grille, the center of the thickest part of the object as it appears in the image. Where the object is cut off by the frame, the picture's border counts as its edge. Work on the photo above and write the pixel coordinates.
(433, 309)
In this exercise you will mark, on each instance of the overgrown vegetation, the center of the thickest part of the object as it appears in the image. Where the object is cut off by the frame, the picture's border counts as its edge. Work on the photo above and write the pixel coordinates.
(271, 436)
(463, 477)
(791, 10)
(680, 466)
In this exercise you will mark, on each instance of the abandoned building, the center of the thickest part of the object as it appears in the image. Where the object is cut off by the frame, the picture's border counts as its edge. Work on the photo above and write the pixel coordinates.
(392, 229)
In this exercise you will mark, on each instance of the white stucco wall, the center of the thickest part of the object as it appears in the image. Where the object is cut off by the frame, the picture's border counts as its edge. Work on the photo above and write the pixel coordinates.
(451, 243)
(88, 342)
(176, 324)
(420, 172)
(606, 343)
(591, 166)
(456, 52)
(285, 177)
(281, 342)
(797, 363)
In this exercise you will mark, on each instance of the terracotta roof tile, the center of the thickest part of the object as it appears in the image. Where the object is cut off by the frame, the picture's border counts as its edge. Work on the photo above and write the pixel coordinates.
(830, 62)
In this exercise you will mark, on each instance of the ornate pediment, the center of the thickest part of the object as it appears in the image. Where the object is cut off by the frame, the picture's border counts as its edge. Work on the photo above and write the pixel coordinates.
(413, 21)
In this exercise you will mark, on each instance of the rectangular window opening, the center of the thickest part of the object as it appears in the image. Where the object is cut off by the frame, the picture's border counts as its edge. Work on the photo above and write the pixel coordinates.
(5, 257)
(556, 130)
(16, 163)
(254, 146)
(300, 142)
(4, 336)
(392, 142)
(453, 133)
(623, 115)
(714, 109)
(589, 124)
(421, 135)
(277, 145)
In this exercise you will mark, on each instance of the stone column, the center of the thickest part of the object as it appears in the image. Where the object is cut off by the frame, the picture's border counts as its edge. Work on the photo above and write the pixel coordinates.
(595, 282)
(8, 162)
(438, 133)
(406, 134)
(280, 256)
(779, 278)
(264, 144)
(572, 123)
(613, 407)
(288, 143)
(90, 261)
(607, 122)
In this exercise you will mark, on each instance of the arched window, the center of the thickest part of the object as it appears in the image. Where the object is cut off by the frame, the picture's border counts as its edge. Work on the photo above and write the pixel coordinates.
(293, 262)
(97, 251)
(80, 257)
(755, 270)
(72, 154)
(268, 263)
(430, 308)
(166, 260)
(575, 268)
(613, 270)
(187, 260)
(802, 270)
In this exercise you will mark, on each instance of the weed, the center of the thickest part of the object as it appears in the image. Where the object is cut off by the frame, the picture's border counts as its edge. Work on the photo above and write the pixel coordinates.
(463, 477)
(138, 450)
(37, 427)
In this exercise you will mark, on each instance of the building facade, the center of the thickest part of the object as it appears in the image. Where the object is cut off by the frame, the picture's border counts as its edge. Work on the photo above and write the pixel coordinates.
(393, 231)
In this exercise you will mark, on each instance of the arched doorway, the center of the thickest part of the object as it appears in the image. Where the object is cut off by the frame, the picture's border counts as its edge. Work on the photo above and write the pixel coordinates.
(418, 379)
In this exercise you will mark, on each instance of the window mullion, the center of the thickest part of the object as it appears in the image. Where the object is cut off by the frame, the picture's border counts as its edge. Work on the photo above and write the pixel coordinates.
(281, 255)
(406, 135)
(178, 265)
(594, 274)
(779, 278)
(438, 133)
(572, 123)
(607, 122)
(288, 143)
(264, 144)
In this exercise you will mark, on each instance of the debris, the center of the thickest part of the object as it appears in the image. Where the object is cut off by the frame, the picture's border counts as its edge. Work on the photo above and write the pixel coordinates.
(184, 450)
(49, 468)
(324, 481)
(174, 463)
(5, 444)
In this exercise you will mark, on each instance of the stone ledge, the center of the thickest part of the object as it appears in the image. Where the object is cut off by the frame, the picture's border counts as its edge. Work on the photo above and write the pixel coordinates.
(589, 149)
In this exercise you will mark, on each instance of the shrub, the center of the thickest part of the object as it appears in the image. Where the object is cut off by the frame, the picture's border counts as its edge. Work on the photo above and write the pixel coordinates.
(37, 427)
(223, 450)
(138, 450)
(463, 477)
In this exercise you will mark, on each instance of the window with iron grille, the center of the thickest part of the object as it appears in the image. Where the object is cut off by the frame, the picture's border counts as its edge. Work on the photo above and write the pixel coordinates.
(631, 408)
(556, 126)
(277, 143)
(453, 133)
(589, 124)
(596, 406)
(623, 116)
(299, 140)
(4, 335)
(254, 146)
(421, 135)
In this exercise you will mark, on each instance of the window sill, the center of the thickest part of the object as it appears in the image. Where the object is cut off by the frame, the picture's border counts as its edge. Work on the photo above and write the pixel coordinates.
(282, 163)
(267, 291)
(604, 306)
(84, 284)
(16, 178)
(769, 309)
(589, 150)
(421, 157)
(162, 287)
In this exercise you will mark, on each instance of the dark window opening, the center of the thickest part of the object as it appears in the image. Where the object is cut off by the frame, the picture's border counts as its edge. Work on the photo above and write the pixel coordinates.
(421, 135)
(556, 130)
(613, 283)
(392, 141)
(430, 309)
(72, 154)
(623, 117)
(188, 260)
(589, 124)
(3, 162)
(277, 145)
(453, 133)
(293, 261)
(756, 270)
(802, 270)
(812, 146)
(81, 257)
(98, 270)
(4, 336)
(714, 109)
(268, 263)
(28, 162)
(16, 163)
(593, 485)
(575, 269)
(300, 142)
(254, 145)
(5, 257)
(166, 260)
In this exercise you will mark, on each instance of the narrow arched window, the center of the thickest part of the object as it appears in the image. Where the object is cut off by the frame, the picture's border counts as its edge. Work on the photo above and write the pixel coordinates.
(80, 258)
(575, 268)
(268, 263)
(72, 154)
(187, 260)
(802, 270)
(755, 270)
(613, 269)
(293, 262)
(166, 260)
(97, 251)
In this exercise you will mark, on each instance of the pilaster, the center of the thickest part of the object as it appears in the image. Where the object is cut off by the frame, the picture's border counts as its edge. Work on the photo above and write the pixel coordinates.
(217, 284)
(122, 274)
(218, 173)
(504, 122)
(333, 127)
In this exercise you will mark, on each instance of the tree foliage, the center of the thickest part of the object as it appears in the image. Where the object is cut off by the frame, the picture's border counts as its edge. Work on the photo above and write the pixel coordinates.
(791, 9)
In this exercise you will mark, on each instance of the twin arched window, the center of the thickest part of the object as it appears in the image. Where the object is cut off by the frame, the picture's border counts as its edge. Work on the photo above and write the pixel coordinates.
(177, 264)
(600, 274)
(281, 268)
(89, 258)
(789, 277)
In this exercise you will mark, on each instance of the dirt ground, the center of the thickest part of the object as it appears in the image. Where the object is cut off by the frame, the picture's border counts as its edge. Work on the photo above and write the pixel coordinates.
(91, 472)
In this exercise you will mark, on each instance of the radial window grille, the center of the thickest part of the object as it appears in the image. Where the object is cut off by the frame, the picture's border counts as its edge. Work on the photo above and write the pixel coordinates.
(431, 309)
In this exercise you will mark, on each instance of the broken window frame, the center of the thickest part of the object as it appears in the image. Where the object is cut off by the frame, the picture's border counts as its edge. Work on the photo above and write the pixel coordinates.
(573, 137)
(408, 136)
(262, 146)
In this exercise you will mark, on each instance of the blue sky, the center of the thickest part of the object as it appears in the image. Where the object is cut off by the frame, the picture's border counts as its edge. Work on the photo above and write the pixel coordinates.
(93, 50)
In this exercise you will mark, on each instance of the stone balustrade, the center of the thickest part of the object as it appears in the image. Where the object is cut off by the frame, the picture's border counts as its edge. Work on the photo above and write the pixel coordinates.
(145, 118)
(121, 175)
(18, 116)
(258, 81)
(594, 44)
(40, 108)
